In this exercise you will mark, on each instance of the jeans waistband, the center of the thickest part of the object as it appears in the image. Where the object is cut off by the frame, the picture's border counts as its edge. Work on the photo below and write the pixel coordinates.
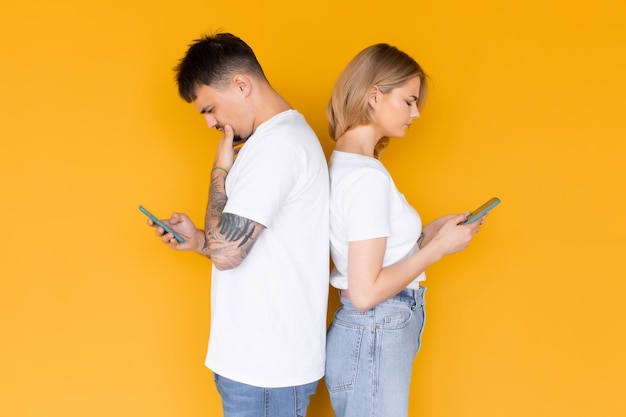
(415, 294)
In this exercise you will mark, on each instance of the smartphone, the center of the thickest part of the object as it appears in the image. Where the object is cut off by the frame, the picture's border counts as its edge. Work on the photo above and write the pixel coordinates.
(165, 227)
(482, 210)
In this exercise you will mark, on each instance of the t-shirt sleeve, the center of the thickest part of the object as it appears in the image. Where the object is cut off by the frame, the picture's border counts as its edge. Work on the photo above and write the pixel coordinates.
(262, 188)
(367, 205)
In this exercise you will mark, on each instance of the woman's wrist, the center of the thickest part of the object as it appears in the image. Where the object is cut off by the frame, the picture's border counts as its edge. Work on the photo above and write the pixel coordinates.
(420, 240)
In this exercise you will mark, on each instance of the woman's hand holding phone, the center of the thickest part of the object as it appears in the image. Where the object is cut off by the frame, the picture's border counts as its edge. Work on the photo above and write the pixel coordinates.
(454, 233)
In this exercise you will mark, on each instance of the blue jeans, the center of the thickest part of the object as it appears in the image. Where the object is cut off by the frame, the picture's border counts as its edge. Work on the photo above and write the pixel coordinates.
(369, 356)
(241, 400)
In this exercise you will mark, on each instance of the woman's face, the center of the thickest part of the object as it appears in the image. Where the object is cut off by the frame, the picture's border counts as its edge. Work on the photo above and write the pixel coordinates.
(395, 111)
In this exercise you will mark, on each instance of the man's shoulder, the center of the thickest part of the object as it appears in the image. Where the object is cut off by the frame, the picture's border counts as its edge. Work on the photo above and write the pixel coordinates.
(288, 121)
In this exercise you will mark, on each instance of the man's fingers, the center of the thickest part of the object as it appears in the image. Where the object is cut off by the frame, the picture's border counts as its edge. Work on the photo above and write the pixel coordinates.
(228, 135)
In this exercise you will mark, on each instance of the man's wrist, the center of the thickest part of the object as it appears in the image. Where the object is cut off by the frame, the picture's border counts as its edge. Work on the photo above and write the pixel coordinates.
(202, 244)
(219, 169)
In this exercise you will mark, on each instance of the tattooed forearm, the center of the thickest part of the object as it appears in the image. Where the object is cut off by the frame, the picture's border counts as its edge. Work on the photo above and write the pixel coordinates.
(217, 196)
(229, 237)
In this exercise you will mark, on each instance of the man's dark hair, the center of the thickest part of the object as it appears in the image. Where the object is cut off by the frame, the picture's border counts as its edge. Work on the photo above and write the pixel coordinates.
(212, 60)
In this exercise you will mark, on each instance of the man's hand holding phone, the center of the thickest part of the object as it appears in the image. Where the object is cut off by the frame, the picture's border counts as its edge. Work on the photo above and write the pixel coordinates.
(178, 232)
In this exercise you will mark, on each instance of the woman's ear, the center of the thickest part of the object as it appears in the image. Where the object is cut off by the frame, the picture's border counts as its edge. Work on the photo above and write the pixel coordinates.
(374, 95)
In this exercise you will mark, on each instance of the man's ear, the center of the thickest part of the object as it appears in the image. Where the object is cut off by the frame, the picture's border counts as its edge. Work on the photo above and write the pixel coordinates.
(242, 82)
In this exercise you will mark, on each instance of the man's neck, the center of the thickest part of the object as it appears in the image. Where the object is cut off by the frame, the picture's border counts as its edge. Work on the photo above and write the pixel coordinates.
(268, 104)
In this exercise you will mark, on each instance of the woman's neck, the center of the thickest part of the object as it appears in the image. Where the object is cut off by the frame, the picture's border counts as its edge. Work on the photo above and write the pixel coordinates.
(360, 140)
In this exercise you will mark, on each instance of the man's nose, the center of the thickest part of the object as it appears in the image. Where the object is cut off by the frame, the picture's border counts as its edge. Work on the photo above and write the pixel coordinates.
(210, 121)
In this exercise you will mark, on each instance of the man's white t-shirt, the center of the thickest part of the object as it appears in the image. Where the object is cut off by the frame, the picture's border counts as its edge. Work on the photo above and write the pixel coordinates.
(268, 315)
(365, 204)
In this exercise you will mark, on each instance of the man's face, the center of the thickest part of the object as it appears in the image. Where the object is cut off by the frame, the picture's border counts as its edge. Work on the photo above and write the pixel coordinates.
(225, 106)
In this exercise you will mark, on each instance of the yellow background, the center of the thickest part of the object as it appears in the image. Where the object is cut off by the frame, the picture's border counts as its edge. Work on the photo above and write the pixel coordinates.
(527, 103)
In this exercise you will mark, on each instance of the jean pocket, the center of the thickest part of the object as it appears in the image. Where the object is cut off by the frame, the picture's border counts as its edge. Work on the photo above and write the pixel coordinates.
(343, 347)
(397, 321)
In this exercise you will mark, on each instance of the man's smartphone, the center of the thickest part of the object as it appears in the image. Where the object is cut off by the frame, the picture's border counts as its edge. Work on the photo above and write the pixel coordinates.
(482, 210)
(165, 227)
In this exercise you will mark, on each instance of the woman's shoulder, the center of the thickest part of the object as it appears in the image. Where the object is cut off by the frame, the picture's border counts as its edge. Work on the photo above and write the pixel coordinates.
(351, 170)
(354, 161)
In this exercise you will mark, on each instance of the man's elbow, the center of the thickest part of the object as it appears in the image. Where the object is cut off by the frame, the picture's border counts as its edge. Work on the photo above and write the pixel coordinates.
(222, 263)
(221, 267)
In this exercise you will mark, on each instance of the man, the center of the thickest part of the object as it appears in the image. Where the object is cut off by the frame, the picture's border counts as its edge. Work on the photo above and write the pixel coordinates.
(266, 232)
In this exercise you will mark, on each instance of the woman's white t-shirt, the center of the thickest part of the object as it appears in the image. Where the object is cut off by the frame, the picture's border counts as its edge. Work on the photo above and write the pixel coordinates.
(365, 204)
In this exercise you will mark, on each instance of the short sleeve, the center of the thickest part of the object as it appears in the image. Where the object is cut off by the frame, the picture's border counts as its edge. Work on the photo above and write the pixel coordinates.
(258, 192)
(367, 205)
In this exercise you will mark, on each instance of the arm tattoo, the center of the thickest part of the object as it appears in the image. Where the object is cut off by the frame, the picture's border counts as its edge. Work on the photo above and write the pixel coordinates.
(234, 228)
(217, 198)
(229, 237)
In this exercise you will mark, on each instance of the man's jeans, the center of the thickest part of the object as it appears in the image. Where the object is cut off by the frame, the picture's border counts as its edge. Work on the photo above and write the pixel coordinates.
(369, 356)
(241, 400)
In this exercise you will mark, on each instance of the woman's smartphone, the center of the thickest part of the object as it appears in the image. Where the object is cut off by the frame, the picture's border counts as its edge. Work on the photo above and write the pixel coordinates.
(165, 227)
(482, 210)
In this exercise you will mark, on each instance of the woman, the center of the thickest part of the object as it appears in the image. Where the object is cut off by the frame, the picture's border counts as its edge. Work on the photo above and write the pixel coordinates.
(378, 245)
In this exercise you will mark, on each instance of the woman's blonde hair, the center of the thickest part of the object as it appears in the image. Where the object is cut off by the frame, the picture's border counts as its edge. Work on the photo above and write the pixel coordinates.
(379, 65)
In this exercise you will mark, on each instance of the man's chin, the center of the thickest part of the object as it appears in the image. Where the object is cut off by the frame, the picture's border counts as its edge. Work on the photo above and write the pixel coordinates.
(238, 142)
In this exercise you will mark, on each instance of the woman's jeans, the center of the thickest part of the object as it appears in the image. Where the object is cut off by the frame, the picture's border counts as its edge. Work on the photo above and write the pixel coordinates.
(241, 400)
(369, 356)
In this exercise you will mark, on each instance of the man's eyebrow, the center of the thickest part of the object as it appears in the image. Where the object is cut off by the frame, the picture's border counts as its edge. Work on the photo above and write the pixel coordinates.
(414, 98)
